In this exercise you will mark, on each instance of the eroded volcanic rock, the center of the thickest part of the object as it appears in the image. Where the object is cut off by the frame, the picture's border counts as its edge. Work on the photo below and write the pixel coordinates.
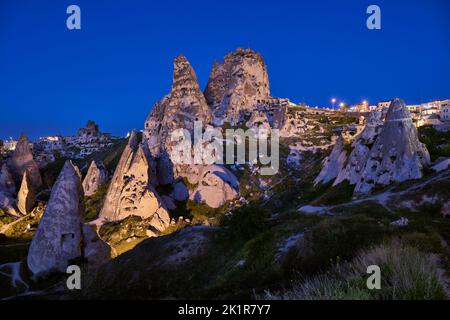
(184, 105)
(237, 85)
(7, 183)
(131, 191)
(22, 160)
(26, 197)
(361, 148)
(58, 238)
(397, 154)
(96, 177)
(214, 184)
(333, 164)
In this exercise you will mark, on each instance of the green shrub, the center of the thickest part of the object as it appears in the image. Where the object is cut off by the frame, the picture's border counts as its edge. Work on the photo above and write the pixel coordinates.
(247, 221)
(94, 203)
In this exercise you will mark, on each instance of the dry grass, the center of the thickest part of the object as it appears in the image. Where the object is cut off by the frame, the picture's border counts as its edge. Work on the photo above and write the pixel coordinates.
(406, 274)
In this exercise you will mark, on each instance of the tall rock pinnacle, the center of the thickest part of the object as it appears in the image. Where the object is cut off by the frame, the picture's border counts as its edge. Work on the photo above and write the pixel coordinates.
(184, 105)
(131, 191)
(96, 176)
(22, 160)
(58, 238)
(397, 154)
(26, 197)
(237, 85)
(333, 164)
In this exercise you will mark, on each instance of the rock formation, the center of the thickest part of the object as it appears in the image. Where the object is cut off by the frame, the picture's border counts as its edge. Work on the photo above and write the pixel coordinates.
(22, 160)
(26, 197)
(7, 183)
(184, 105)
(259, 123)
(361, 149)
(290, 124)
(333, 164)
(89, 133)
(180, 192)
(397, 154)
(215, 185)
(96, 177)
(58, 238)
(96, 251)
(7, 203)
(237, 85)
(131, 191)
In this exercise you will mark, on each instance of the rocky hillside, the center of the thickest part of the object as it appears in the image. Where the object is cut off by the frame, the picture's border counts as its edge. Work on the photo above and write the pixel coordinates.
(349, 188)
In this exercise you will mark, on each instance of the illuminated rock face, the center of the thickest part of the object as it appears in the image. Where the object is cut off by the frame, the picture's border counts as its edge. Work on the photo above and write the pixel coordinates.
(333, 164)
(59, 237)
(397, 154)
(131, 191)
(26, 197)
(237, 85)
(214, 185)
(96, 177)
(22, 160)
(361, 148)
(184, 105)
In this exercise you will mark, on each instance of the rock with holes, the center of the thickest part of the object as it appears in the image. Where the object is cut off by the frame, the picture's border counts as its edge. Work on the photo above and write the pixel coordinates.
(237, 85)
(361, 148)
(131, 192)
(184, 105)
(96, 177)
(397, 154)
(58, 239)
(259, 123)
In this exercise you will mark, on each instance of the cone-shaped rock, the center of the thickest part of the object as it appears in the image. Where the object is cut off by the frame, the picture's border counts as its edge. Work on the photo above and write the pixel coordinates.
(26, 197)
(397, 154)
(96, 177)
(130, 191)
(362, 144)
(58, 238)
(237, 85)
(333, 164)
(22, 160)
(184, 105)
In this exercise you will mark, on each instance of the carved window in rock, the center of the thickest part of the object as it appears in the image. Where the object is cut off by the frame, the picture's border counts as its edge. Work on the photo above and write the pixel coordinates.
(67, 242)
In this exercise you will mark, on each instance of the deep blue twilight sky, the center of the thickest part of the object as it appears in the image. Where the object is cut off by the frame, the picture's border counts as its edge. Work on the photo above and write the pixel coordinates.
(53, 80)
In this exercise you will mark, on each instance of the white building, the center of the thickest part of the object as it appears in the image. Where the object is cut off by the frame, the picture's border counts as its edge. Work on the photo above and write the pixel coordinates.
(9, 145)
(434, 107)
(383, 105)
(445, 110)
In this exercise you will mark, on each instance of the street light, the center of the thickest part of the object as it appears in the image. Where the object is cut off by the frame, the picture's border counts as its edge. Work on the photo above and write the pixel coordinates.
(333, 101)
